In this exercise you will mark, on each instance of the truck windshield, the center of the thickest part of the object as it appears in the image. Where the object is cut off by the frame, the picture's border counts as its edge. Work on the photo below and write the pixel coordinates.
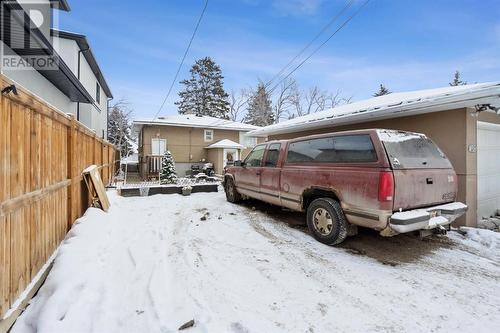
(413, 151)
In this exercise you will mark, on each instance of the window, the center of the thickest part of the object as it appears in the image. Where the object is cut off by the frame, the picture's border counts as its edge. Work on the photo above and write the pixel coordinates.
(338, 149)
(411, 151)
(209, 135)
(273, 153)
(254, 159)
(97, 92)
(158, 147)
(247, 141)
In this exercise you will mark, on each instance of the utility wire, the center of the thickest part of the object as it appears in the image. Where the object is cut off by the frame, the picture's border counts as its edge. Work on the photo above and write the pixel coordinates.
(328, 25)
(182, 61)
(320, 46)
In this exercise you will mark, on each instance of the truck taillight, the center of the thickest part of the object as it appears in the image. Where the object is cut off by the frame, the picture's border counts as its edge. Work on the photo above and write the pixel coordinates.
(386, 186)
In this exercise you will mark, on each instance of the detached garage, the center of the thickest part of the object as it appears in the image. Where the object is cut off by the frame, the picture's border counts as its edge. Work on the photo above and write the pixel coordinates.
(464, 121)
(488, 168)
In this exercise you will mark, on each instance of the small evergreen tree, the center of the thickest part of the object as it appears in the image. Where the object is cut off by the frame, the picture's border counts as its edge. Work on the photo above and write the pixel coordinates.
(457, 81)
(167, 174)
(204, 94)
(260, 111)
(382, 91)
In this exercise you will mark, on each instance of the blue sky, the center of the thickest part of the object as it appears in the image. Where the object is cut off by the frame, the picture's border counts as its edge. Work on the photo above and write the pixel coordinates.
(404, 44)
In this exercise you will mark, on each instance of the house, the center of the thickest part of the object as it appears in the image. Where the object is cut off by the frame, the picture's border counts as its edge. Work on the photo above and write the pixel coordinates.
(192, 140)
(462, 120)
(57, 66)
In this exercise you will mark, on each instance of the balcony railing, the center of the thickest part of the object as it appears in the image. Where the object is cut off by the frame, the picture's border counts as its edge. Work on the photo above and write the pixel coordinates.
(154, 164)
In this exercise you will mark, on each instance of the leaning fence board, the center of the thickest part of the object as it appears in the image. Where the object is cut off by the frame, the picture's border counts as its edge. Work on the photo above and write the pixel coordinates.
(42, 155)
(95, 184)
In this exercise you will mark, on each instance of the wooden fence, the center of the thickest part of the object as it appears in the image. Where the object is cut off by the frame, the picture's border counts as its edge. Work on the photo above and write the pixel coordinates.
(42, 155)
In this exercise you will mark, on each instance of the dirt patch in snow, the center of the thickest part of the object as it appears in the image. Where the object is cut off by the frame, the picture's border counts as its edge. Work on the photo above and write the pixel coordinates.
(395, 250)
(391, 251)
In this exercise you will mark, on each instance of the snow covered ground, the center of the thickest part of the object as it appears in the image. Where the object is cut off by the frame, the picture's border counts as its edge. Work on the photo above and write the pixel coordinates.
(152, 263)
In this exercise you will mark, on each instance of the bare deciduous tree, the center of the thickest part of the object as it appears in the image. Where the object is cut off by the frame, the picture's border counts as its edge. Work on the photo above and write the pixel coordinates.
(283, 101)
(314, 100)
(119, 127)
(336, 99)
(296, 101)
(290, 101)
(237, 104)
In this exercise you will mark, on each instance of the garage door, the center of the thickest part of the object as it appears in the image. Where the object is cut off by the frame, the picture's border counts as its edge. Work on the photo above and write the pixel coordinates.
(488, 168)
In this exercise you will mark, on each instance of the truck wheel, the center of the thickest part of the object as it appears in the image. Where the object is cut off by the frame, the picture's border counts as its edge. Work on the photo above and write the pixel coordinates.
(326, 221)
(231, 194)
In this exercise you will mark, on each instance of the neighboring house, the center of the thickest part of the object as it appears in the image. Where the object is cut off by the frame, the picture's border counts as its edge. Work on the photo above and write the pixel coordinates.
(75, 83)
(463, 121)
(191, 140)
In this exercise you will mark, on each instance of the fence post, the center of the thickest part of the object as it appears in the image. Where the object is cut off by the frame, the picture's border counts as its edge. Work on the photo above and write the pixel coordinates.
(102, 160)
(71, 170)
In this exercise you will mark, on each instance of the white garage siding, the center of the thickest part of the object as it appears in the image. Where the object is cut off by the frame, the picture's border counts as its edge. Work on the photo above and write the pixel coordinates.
(488, 169)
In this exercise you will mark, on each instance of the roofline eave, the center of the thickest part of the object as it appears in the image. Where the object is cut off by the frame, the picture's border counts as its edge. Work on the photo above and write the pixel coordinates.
(84, 46)
(152, 123)
(444, 103)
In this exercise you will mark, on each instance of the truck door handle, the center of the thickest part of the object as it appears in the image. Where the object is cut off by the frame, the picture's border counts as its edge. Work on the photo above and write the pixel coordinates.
(258, 173)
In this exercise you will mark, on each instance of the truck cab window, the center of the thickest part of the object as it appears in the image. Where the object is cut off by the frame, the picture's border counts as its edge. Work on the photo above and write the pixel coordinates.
(272, 156)
(254, 159)
(337, 149)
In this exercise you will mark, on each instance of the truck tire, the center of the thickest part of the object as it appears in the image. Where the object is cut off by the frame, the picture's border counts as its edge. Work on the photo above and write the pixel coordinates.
(232, 194)
(326, 221)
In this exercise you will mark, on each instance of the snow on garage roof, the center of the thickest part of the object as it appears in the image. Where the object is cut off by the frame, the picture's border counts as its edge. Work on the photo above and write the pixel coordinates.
(226, 143)
(391, 106)
(191, 120)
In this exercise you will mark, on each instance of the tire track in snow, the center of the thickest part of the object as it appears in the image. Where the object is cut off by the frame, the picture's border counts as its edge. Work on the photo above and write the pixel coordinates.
(285, 239)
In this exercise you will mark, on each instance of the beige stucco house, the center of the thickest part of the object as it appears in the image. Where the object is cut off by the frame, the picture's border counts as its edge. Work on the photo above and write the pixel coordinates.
(464, 121)
(191, 140)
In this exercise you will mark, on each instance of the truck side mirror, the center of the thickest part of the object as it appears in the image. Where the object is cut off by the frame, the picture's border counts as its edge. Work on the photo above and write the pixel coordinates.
(239, 163)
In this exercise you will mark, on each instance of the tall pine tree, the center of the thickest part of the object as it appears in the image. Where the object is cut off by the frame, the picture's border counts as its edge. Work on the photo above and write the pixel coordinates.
(260, 111)
(167, 173)
(203, 93)
(457, 81)
(382, 91)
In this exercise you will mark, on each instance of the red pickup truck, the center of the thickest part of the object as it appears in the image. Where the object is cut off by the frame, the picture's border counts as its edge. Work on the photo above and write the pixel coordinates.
(391, 181)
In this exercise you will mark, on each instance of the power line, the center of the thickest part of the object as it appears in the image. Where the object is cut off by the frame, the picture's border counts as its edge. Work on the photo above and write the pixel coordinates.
(182, 61)
(328, 25)
(320, 46)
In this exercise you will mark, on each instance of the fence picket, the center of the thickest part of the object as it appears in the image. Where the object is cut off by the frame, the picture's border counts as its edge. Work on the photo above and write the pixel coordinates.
(42, 193)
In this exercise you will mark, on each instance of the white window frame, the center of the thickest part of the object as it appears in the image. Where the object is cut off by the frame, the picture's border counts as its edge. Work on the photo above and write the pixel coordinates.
(248, 141)
(153, 140)
(208, 135)
(98, 92)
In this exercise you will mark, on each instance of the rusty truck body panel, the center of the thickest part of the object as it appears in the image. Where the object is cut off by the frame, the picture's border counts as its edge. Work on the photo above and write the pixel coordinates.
(372, 174)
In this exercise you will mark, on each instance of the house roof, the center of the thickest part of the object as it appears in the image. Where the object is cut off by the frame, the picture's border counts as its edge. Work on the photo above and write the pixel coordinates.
(391, 106)
(191, 120)
(18, 30)
(60, 4)
(226, 143)
(84, 46)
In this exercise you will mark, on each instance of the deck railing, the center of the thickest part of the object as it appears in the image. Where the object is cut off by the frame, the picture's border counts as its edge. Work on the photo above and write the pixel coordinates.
(154, 164)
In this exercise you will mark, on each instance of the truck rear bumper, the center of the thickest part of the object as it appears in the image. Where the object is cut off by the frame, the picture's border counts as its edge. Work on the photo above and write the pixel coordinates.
(426, 218)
